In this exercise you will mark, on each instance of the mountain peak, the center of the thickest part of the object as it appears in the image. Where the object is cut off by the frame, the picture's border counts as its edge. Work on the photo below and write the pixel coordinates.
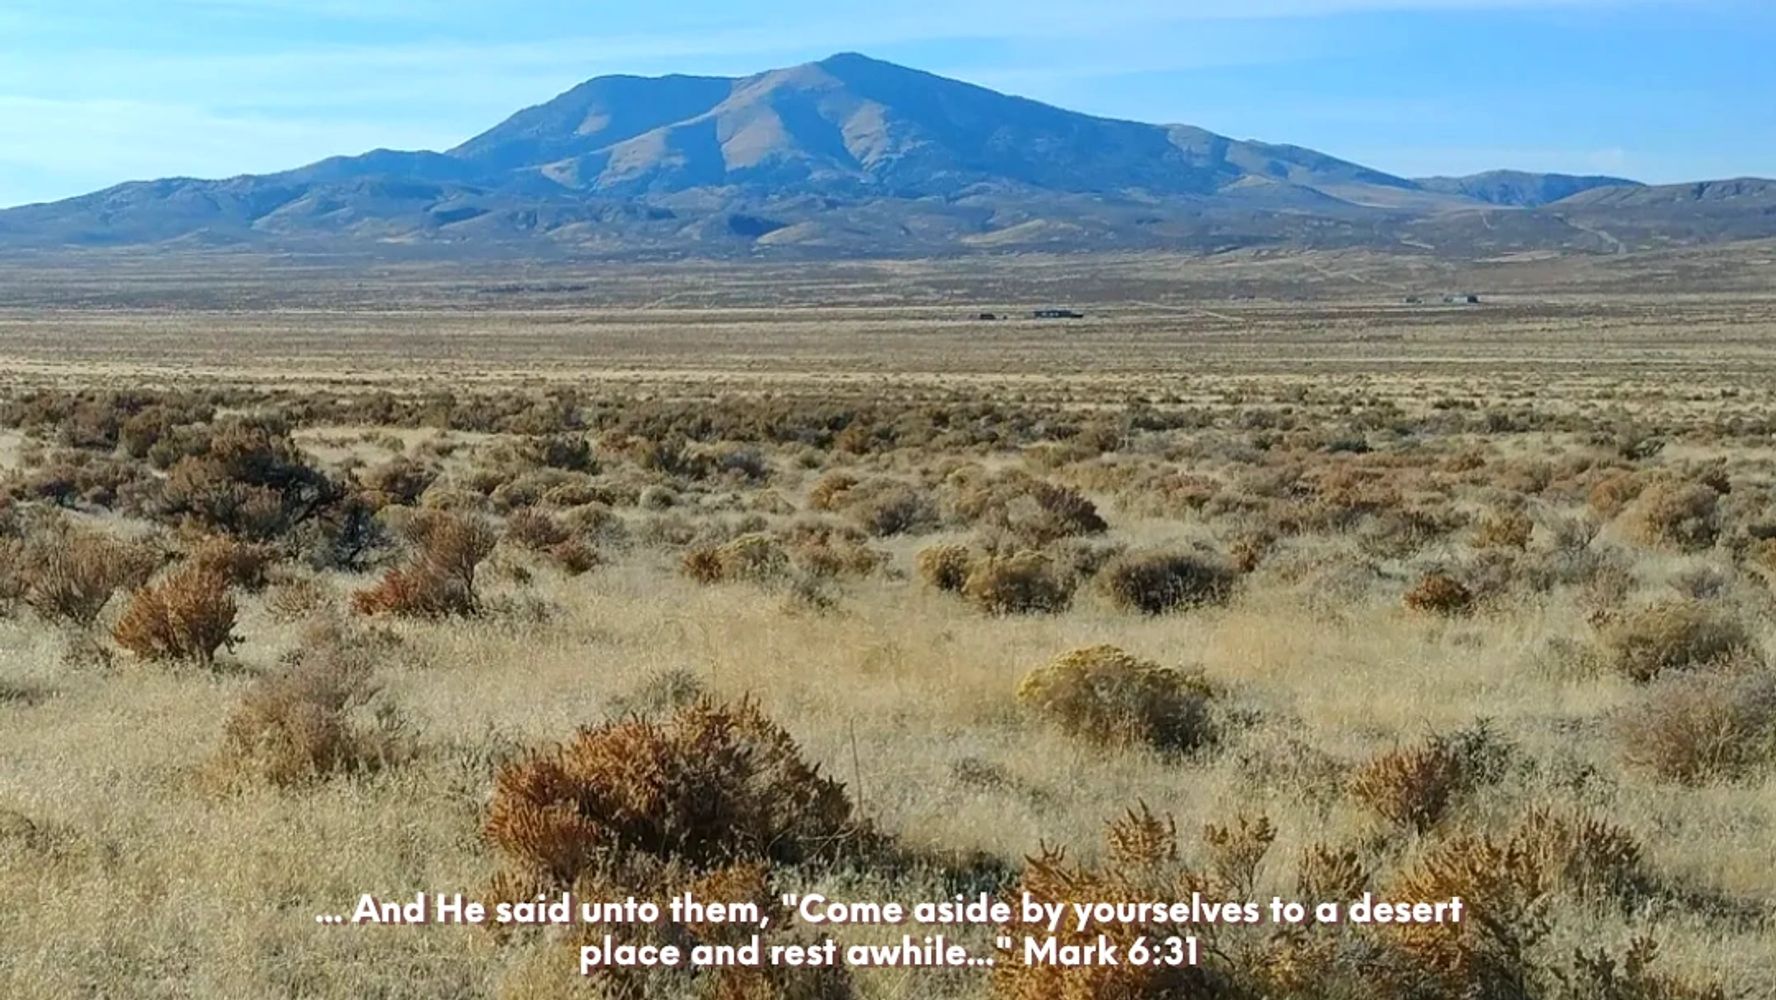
(853, 153)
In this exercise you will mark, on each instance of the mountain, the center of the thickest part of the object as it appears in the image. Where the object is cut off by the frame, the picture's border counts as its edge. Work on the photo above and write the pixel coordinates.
(1520, 189)
(854, 156)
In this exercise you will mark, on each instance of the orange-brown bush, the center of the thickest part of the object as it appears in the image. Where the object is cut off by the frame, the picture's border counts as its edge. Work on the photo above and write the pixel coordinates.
(1107, 696)
(946, 566)
(1672, 635)
(312, 718)
(187, 616)
(711, 785)
(438, 578)
(754, 557)
(1441, 594)
(242, 564)
(1702, 727)
(1020, 583)
(1156, 582)
(1415, 786)
(1673, 514)
(1143, 867)
(1506, 529)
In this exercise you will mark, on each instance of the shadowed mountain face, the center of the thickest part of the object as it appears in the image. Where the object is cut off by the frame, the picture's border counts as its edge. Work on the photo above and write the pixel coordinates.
(851, 155)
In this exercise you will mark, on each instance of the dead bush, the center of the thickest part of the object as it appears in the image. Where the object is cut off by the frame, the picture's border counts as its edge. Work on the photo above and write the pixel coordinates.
(1702, 727)
(1673, 635)
(712, 784)
(1020, 583)
(438, 578)
(316, 716)
(1156, 582)
(1107, 696)
(1440, 594)
(187, 616)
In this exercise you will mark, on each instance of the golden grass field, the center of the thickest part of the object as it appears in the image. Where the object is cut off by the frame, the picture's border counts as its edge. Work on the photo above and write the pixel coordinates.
(297, 569)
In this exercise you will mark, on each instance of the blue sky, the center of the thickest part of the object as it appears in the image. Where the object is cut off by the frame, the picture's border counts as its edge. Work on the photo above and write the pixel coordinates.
(94, 92)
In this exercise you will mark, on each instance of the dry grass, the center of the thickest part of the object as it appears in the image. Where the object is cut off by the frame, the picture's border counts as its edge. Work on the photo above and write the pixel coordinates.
(902, 516)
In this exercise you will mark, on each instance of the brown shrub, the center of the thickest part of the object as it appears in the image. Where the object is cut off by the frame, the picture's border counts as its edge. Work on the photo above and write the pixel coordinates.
(247, 479)
(399, 481)
(1673, 635)
(1698, 728)
(1487, 956)
(1509, 529)
(187, 616)
(713, 784)
(535, 530)
(1021, 583)
(1143, 867)
(1033, 510)
(1598, 975)
(946, 566)
(1156, 582)
(1107, 696)
(828, 492)
(1441, 594)
(69, 574)
(1613, 493)
(438, 578)
(1324, 874)
(1673, 514)
(309, 720)
(242, 564)
(754, 557)
(1415, 786)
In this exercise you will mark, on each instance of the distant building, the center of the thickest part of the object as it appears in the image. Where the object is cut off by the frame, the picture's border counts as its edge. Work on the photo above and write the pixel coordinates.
(1057, 314)
(987, 316)
(1462, 300)
(1415, 300)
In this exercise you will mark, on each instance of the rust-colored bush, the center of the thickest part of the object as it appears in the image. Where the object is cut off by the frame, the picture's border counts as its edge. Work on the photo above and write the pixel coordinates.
(1440, 594)
(1107, 696)
(187, 616)
(1673, 635)
(712, 784)
(1156, 582)
(1415, 786)
(438, 578)
(242, 564)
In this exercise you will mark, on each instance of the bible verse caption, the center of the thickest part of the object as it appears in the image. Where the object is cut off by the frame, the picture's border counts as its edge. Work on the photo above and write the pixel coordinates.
(1032, 931)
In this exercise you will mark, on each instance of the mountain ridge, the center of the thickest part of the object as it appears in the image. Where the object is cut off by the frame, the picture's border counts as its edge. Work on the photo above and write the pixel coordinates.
(852, 155)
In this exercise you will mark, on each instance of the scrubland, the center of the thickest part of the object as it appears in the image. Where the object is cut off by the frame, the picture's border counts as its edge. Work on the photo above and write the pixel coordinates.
(1290, 602)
